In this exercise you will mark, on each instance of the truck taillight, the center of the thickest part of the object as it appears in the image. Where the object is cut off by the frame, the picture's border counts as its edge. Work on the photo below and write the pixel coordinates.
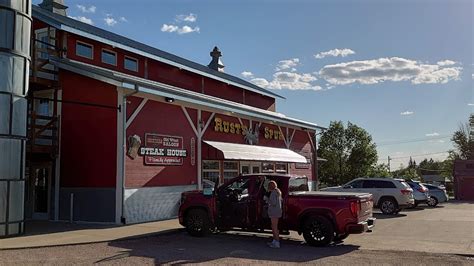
(355, 208)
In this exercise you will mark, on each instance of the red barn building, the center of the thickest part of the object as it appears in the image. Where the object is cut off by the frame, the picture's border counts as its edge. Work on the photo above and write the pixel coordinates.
(464, 180)
(119, 129)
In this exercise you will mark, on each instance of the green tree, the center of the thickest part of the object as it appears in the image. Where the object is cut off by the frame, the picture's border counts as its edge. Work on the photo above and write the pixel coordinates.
(350, 153)
(379, 170)
(463, 141)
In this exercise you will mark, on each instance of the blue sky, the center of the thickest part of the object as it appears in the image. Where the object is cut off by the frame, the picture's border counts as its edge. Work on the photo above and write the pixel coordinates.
(403, 70)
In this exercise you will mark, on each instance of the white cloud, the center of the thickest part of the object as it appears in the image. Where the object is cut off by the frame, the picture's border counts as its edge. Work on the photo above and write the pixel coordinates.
(407, 113)
(335, 52)
(188, 18)
(90, 9)
(169, 28)
(287, 64)
(187, 29)
(470, 104)
(247, 74)
(83, 19)
(388, 69)
(288, 80)
(110, 21)
(434, 134)
(446, 63)
(123, 19)
(261, 82)
(179, 30)
(472, 76)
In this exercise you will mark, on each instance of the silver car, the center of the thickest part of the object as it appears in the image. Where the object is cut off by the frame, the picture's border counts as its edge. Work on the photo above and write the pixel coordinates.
(390, 195)
(438, 194)
(420, 192)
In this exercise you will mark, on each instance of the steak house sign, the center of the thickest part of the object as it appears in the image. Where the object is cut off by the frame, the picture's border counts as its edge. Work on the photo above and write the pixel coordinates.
(239, 129)
(163, 150)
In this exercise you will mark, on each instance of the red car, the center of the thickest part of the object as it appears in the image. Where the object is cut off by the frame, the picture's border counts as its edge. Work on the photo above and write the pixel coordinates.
(322, 217)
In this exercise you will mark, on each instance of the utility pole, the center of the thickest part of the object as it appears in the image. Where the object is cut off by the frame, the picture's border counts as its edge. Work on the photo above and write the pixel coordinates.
(389, 159)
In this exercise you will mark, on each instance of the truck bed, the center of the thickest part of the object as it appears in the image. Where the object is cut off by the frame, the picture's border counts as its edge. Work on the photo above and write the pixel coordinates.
(330, 194)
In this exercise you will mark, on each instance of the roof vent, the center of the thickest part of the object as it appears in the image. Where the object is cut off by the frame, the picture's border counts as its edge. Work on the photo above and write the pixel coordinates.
(216, 62)
(55, 6)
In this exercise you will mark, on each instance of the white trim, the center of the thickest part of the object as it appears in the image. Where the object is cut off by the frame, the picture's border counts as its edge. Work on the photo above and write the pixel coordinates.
(160, 59)
(84, 44)
(207, 124)
(199, 150)
(190, 120)
(136, 112)
(111, 52)
(58, 160)
(121, 101)
(125, 57)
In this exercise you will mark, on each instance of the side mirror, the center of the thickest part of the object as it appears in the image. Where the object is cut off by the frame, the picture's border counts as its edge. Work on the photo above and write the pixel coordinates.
(346, 187)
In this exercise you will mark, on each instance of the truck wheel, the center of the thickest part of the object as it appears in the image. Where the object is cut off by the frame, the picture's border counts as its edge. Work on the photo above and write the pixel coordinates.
(318, 231)
(432, 201)
(197, 222)
(388, 206)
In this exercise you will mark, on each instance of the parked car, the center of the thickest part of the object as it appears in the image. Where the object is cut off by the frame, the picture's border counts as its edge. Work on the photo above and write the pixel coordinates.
(321, 217)
(390, 195)
(438, 194)
(420, 192)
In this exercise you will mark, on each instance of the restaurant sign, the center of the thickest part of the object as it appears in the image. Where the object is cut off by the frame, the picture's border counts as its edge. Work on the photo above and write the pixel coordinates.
(163, 150)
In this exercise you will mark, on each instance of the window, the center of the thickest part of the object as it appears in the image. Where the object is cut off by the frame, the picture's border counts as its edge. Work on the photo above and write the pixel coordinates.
(109, 57)
(131, 64)
(268, 168)
(231, 170)
(84, 50)
(211, 170)
(385, 184)
(281, 168)
(354, 184)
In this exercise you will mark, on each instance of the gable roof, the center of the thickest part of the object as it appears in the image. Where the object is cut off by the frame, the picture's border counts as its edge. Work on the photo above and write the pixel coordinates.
(150, 87)
(83, 29)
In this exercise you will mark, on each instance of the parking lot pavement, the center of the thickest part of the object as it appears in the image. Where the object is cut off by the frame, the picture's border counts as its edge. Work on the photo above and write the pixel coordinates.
(448, 228)
(225, 248)
(419, 236)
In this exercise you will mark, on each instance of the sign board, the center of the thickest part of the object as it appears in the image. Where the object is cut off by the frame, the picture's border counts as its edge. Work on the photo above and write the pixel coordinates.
(163, 150)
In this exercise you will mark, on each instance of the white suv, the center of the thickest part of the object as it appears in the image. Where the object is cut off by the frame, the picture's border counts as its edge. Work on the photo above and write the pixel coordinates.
(390, 195)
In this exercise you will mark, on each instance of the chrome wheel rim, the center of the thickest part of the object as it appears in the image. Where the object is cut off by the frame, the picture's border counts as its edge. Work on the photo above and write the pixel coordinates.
(388, 207)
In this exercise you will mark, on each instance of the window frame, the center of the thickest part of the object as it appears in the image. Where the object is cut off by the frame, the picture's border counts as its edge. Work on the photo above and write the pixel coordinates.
(224, 170)
(218, 171)
(85, 44)
(111, 52)
(130, 58)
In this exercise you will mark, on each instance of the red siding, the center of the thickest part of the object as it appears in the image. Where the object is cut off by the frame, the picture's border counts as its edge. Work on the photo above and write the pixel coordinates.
(88, 134)
(161, 72)
(224, 91)
(174, 76)
(97, 60)
(302, 145)
(164, 119)
(259, 101)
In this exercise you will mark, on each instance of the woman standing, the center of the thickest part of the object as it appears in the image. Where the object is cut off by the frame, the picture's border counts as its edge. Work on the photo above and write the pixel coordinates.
(274, 212)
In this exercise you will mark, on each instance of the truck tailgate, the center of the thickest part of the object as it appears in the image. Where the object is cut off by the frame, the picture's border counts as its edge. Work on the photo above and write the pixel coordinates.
(365, 200)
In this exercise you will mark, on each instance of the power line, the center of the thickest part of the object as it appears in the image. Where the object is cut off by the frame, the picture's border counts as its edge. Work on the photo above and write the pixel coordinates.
(418, 155)
(394, 142)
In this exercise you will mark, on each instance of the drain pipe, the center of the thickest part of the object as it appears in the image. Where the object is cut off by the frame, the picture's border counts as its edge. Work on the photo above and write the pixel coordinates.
(124, 146)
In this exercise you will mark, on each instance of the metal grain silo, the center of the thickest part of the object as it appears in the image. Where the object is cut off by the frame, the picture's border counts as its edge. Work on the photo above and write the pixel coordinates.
(15, 28)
